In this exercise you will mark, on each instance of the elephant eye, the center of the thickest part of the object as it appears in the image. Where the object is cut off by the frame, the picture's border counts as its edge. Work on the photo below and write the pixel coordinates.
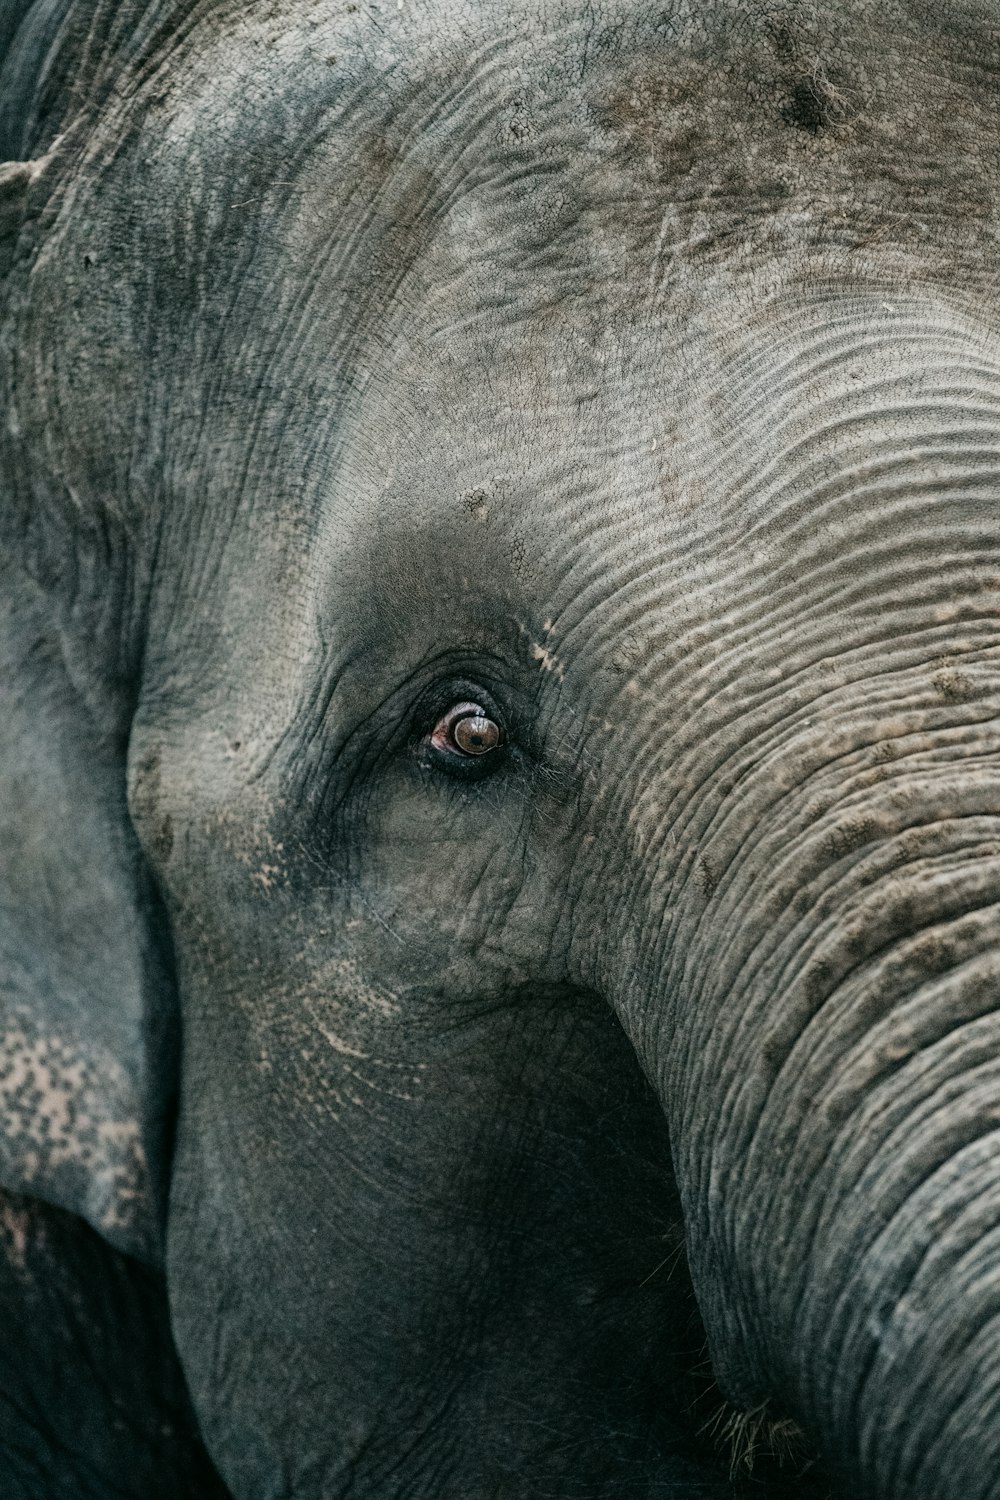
(467, 730)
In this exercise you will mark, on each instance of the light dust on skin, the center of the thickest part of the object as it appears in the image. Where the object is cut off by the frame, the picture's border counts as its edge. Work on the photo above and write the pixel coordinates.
(543, 651)
(355, 1074)
(58, 1122)
(19, 1228)
(547, 659)
(327, 1014)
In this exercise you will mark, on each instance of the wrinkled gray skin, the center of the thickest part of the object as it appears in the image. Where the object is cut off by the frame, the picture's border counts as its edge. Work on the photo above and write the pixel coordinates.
(635, 374)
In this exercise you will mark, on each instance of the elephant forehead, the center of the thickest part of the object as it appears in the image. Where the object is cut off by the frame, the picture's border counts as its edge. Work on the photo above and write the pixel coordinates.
(609, 157)
(310, 194)
(717, 133)
(517, 456)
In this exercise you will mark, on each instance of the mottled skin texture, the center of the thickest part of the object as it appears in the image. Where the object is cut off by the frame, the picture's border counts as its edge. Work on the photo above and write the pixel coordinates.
(633, 373)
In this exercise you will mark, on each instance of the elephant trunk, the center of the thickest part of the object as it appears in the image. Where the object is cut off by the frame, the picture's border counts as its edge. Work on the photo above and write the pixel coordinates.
(830, 964)
(845, 1205)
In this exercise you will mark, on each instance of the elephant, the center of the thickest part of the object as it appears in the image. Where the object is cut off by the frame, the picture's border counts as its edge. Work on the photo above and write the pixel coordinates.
(499, 777)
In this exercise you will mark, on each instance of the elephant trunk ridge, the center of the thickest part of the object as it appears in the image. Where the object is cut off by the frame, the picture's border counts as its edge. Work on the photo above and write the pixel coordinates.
(853, 1135)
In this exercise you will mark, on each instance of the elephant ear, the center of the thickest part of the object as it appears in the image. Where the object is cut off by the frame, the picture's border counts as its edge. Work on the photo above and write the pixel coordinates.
(86, 1005)
(86, 1030)
(34, 95)
(31, 85)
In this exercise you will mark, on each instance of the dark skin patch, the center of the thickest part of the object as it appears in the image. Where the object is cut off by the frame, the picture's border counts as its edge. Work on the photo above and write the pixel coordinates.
(805, 109)
(92, 1399)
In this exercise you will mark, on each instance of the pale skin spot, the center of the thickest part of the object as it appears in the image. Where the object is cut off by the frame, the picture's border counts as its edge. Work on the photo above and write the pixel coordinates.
(338, 1045)
(39, 1088)
(898, 1051)
(15, 1232)
(547, 659)
(890, 729)
(63, 1117)
(345, 982)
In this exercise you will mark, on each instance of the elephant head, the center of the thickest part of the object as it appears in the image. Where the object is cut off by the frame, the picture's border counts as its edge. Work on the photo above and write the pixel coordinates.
(526, 485)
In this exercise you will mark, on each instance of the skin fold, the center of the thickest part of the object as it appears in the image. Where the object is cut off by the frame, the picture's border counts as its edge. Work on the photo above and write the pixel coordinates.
(474, 1126)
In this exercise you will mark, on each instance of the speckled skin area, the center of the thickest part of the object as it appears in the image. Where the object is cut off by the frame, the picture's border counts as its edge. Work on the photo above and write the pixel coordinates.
(58, 1122)
(632, 373)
